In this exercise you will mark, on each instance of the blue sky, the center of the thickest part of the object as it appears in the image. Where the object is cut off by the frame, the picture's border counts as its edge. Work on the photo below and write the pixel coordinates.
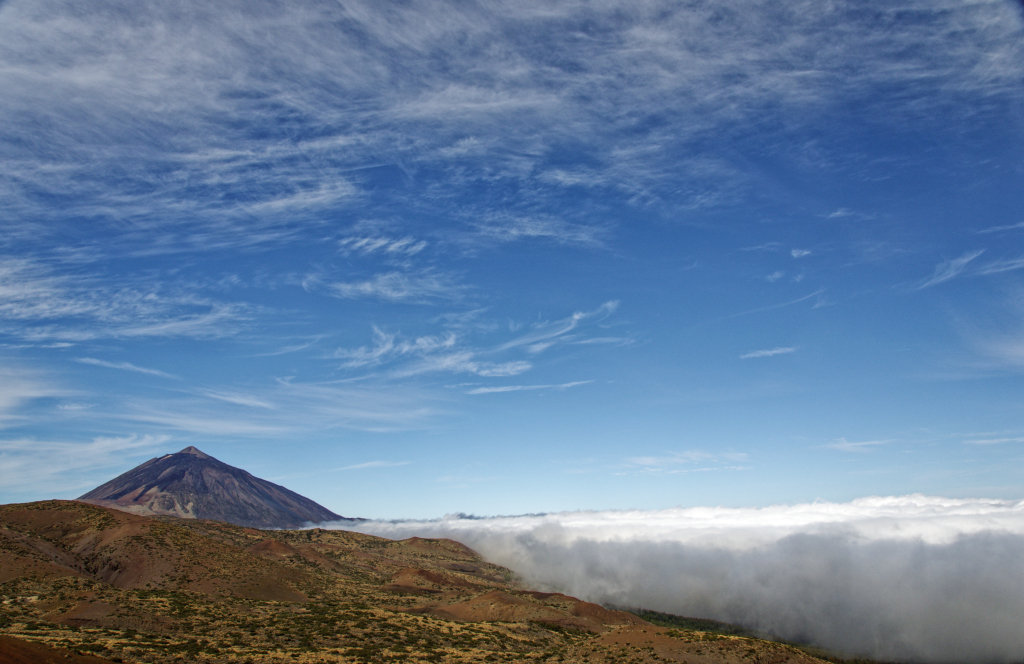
(496, 258)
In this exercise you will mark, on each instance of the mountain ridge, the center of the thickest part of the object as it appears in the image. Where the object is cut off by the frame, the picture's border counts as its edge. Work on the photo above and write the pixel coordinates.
(194, 485)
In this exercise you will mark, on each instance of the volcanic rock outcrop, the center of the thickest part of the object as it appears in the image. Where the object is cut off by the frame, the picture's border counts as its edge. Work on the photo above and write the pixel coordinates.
(194, 485)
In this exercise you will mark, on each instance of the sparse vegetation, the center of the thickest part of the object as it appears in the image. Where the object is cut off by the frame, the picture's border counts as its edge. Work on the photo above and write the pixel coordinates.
(691, 624)
(163, 590)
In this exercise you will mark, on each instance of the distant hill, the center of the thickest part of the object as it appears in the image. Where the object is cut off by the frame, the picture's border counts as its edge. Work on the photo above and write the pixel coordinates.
(194, 485)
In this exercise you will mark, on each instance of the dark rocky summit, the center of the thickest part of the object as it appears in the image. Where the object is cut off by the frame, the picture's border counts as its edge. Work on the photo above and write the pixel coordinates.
(194, 485)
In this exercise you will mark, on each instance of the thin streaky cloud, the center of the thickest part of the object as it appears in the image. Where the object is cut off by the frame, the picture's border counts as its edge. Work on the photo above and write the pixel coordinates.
(689, 456)
(20, 386)
(216, 167)
(778, 306)
(547, 331)
(42, 305)
(620, 341)
(1007, 265)
(290, 349)
(284, 408)
(768, 246)
(400, 287)
(66, 467)
(387, 347)
(993, 441)
(453, 352)
(839, 213)
(125, 366)
(1000, 229)
(374, 464)
(367, 245)
(220, 321)
(1006, 349)
(769, 353)
(949, 269)
(655, 470)
(188, 418)
(240, 399)
(844, 445)
(520, 388)
(383, 346)
(799, 253)
(464, 362)
(507, 228)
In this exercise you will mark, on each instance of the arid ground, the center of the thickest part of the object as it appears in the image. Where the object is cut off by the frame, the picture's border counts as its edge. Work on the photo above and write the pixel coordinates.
(98, 583)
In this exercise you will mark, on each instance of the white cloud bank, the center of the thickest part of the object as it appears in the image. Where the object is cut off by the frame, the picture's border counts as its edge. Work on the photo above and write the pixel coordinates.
(911, 578)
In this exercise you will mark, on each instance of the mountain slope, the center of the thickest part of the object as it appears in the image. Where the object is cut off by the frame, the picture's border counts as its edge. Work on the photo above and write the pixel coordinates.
(194, 485)
(174, 591)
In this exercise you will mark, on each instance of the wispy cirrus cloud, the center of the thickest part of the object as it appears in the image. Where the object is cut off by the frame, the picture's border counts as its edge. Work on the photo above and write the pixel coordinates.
(464, 362)
(816, 295)
(173, 319)
(177, 143)
(993, 441)
(184, 417)
(125, 366)
(375, 464)
(548, 331)
(1005, 265)
(451, 352)
(769, 353)
(688, 461)
(423, 287)
(20, 386)
(521, 388)
(240, 399)
(386, 347)
(294, 348)
(40, 303)
(949, 269)
(65, 469)
(596, 341)
(403, 247)
(1003, 229)
(283, 407)
(507, 228)
(996, 336)
(768, 246)
(844, 445)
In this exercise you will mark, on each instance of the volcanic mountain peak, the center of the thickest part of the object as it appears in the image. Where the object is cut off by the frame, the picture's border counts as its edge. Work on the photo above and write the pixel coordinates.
(194, 485)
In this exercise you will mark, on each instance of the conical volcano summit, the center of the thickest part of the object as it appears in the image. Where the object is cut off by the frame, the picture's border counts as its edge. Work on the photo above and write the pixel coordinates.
(194, 485)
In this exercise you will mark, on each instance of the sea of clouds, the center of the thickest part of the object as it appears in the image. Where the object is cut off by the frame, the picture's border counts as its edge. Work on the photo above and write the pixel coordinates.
(911, 578)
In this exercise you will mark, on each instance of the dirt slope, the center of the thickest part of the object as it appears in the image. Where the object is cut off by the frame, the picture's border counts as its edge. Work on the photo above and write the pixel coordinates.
(18, 651)
(160, 589)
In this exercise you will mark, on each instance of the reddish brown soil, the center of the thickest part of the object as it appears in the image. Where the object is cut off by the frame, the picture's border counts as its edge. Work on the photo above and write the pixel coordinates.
(17, 651)
(160, 589)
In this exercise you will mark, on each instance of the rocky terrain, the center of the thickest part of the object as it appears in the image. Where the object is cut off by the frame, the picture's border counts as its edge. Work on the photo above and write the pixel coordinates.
(80, 582)
(194, 485)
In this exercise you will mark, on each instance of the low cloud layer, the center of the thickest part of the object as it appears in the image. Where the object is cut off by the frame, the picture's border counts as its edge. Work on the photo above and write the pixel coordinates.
(912, 578)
